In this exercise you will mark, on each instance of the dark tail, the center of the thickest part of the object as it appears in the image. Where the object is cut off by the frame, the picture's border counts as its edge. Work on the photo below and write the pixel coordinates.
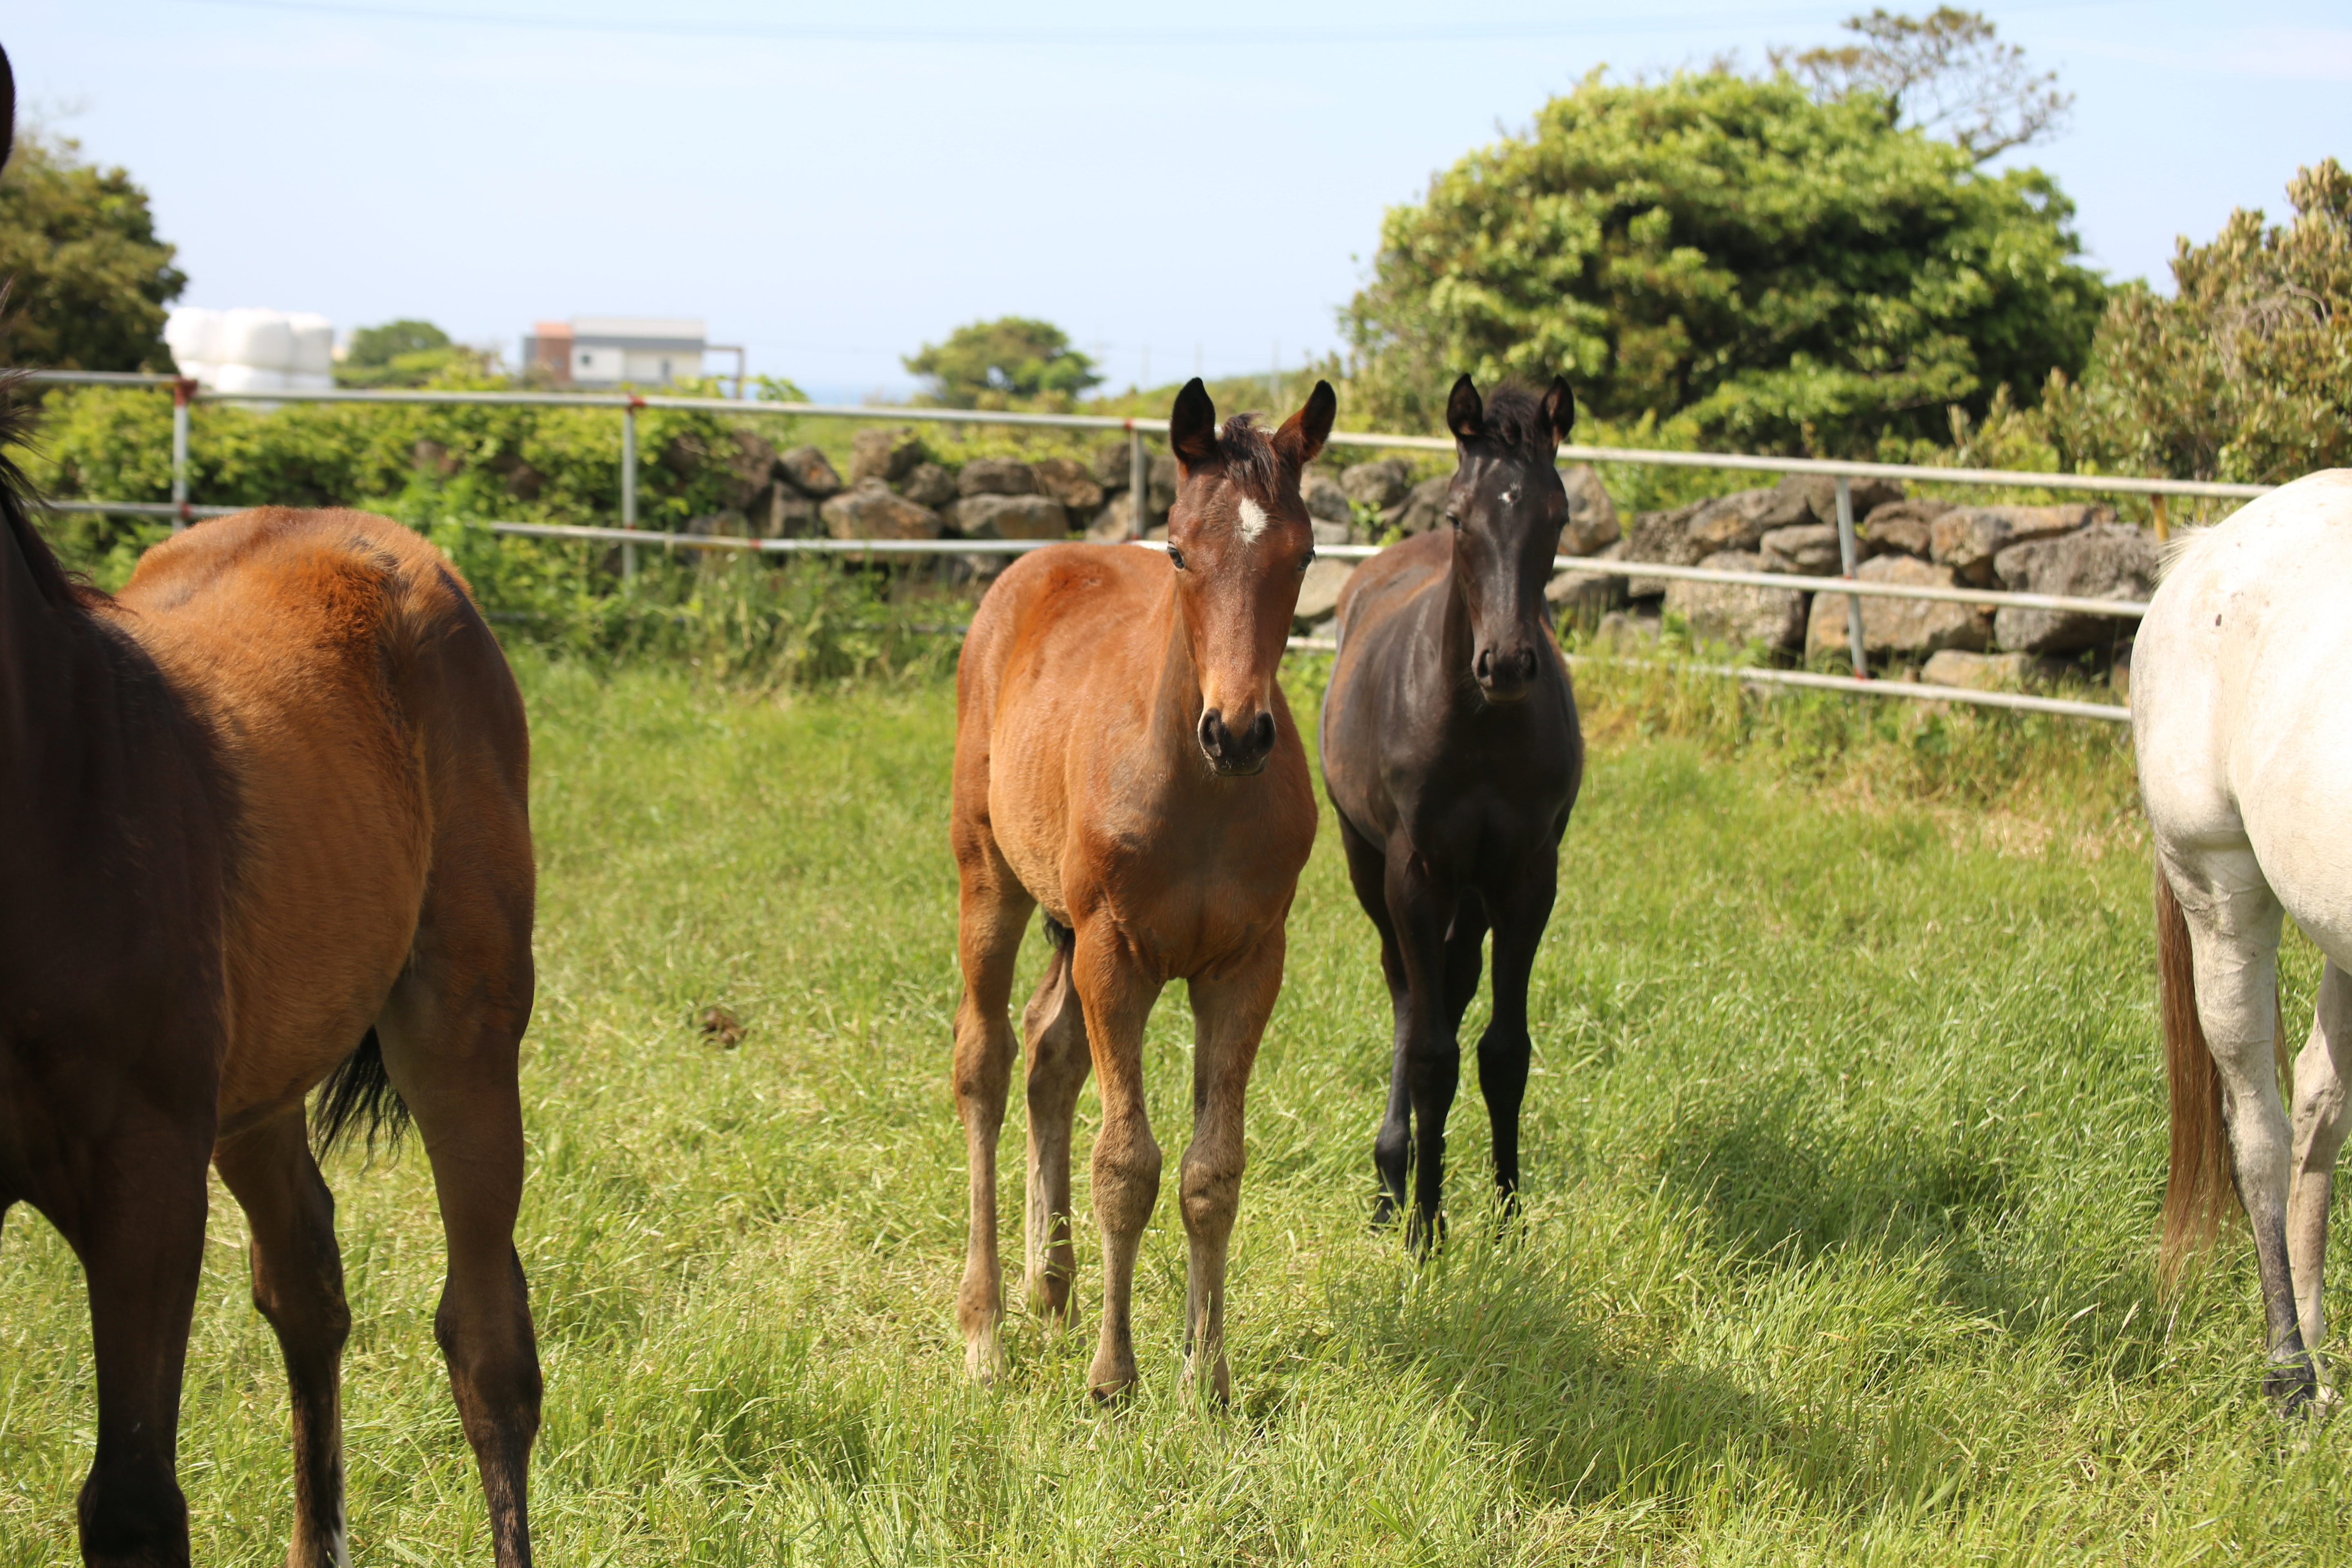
(1059, 937)
(2200, 1191)
(358, 1095)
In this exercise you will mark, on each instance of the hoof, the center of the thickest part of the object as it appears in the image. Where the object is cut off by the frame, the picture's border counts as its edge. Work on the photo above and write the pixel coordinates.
(984, 1358)
(2293, 1387)
(1109, 1379)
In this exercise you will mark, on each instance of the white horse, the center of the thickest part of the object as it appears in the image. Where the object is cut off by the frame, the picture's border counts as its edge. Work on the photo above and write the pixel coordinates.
(2244, 730)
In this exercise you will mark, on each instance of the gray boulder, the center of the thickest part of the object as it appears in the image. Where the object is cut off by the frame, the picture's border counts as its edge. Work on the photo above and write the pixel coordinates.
(1111, 465)
(1741, 520)
(996, 477)
(1325, 500)
(1903, 526)
(929, 485)
(1384, 482)
(1965, 539)
(2104, 560)
(1011, 517)
(1117, 521)
(1736, 614)
(885, 454)
(1423, 507)
(1588, 595)
(808, 470)
(1331, 532)
(1066, 480)
(1807, 549)
(1663, 537)
(1592, 523)
(1976, 671)
(780, 511)
(869, 509)
(1818, 495)
(1319, 591)
(1899, 628)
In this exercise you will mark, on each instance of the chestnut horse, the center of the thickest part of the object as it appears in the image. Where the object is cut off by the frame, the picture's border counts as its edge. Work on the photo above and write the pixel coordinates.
(1452, 755)
(1124, 759)
(265, 828)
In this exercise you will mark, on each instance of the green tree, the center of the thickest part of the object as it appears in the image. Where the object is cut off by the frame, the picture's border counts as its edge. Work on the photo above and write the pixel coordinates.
(89, 278)
(1947, 74)
(1007, 363)
(1733, 260)
(404, 353)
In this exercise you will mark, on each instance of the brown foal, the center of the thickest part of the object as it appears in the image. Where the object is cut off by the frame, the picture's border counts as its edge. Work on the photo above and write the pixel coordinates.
(1124, 759)
(266, 827)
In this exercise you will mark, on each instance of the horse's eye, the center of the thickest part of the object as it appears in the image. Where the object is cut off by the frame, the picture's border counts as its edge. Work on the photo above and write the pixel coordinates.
(1176, 558)
(1453, 523)
(1307, 560)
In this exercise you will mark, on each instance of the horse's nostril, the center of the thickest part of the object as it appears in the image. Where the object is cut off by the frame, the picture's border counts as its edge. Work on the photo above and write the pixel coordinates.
(1262, 734)
(1526, 664)
(1211, 729)
(1485, 668)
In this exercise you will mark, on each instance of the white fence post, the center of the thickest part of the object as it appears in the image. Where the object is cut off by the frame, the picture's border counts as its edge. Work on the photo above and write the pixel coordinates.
(1847, 552)
(1139, 482)
(629, 481)
(182, 391)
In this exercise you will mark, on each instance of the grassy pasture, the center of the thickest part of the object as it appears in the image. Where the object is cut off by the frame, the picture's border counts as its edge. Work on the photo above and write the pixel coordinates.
(1844, 1146)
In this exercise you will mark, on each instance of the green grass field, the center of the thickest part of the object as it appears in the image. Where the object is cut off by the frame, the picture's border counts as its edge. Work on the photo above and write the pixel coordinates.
(1844, 1149)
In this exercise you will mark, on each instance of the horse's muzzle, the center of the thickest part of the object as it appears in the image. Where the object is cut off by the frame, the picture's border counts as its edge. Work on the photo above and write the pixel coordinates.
(1506, 679)
(1236, 753)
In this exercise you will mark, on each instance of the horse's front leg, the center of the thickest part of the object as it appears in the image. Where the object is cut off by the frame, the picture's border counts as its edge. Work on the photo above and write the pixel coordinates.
(1505, 1049)
(1428, 1063)
(1229, 1014)
(138, 1229)
(2320, 1124)
(1117, 995)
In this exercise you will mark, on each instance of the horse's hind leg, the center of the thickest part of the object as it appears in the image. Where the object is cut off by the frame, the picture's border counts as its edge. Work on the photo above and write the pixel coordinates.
(1055, 1026)
(2233, 933)
(451, 1031)
(2320, 1124)
(298, 1284)
(1392, 1143)
(994, 913)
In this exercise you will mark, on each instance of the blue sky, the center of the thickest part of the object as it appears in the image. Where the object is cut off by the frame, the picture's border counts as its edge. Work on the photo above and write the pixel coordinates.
(833, 187)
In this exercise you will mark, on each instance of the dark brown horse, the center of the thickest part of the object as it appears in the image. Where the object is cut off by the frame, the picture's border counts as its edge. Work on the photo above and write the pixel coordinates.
(1452, 754)
(1124, 759)
(265, 828)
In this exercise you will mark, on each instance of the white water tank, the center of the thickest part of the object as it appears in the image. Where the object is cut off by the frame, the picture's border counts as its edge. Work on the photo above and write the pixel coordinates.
(250, 350)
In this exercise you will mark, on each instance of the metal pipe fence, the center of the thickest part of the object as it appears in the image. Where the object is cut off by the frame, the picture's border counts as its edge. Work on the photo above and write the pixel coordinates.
(630, 537)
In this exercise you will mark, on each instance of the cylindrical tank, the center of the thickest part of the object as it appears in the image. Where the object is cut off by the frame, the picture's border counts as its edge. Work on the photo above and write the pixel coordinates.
(262, 340)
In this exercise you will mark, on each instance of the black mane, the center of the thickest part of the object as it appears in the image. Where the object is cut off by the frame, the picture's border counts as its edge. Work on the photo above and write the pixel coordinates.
(1248, 455)
(1513, 418)
(50, 579)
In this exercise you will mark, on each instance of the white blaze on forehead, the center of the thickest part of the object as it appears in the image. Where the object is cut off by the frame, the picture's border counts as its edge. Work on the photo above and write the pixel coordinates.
(1254, 520)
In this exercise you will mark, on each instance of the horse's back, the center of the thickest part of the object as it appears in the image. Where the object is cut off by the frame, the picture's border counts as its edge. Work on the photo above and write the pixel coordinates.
(369, 729)
(2242, 715)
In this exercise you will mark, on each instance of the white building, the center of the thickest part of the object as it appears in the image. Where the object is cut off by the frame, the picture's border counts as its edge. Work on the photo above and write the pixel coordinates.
(608, 351)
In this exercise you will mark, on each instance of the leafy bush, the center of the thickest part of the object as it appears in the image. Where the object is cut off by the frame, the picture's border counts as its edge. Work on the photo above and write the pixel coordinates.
(1010, 363)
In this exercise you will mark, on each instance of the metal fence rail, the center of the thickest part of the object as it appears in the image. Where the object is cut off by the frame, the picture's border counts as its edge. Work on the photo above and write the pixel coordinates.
(630, 537)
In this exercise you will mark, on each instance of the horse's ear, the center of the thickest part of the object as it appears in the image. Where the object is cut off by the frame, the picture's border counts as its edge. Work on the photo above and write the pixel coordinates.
(7, 107)
(1464, 415)
(1192, 425)
(1560, 409)
(1303, 434)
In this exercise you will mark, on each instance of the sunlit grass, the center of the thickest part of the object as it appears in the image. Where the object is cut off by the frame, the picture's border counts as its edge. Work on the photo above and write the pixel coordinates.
(1842, 1152)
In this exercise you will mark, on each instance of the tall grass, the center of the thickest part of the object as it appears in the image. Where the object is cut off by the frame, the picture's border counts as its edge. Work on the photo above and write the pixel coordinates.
(1844, 1146)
